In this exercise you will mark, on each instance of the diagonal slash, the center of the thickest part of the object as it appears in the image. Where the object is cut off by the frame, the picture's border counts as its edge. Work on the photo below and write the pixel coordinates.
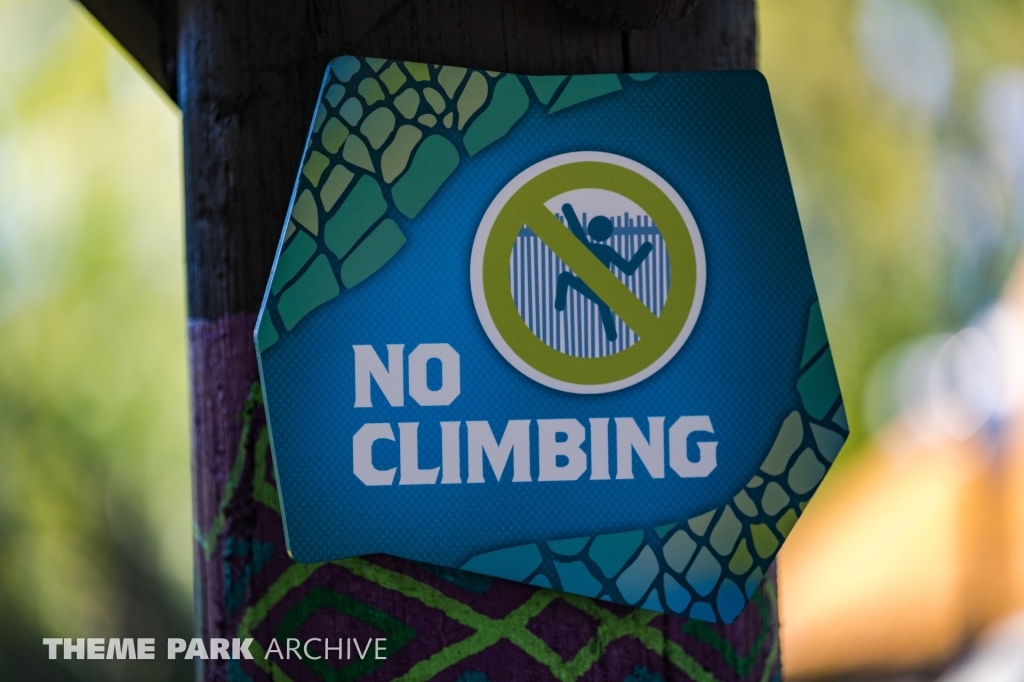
(599, 278)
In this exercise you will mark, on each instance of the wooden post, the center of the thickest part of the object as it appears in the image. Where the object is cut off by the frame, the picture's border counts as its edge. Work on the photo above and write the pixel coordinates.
(246, 76)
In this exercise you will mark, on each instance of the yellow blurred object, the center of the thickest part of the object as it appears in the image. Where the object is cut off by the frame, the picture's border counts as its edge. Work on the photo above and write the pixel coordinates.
(901, 560)
(1013, 474)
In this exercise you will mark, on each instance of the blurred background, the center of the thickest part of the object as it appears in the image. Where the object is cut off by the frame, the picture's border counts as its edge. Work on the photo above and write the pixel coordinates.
(903, 122)
(95, 501)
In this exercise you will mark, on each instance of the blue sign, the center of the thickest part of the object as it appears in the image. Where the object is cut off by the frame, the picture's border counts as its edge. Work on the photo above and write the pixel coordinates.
(560, 330)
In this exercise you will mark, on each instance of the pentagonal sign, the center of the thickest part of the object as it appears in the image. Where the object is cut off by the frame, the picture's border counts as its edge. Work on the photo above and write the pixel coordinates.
(560, 330)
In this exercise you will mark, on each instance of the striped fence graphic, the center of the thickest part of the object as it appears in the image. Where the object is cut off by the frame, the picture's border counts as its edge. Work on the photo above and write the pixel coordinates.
(577, 330)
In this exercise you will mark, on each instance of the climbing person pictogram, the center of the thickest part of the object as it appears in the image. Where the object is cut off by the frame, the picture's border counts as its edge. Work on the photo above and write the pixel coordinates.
(514, 276)
(599, 230)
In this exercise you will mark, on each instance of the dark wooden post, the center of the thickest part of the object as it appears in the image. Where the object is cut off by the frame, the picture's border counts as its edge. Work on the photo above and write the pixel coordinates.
(246, 76)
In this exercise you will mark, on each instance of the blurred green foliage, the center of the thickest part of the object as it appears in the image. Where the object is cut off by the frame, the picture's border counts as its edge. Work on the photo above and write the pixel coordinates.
(95, 529)
(867, 168)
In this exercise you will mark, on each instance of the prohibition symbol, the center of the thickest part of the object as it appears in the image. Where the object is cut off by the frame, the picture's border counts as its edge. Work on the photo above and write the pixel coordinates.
(522, 203)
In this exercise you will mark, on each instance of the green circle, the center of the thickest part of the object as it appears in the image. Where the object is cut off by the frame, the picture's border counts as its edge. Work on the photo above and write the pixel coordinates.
(526, 205)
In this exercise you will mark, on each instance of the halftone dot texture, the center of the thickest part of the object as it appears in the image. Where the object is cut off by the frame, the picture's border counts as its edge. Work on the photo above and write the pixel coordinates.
(372, 162)
(401, 162)
(709, 566)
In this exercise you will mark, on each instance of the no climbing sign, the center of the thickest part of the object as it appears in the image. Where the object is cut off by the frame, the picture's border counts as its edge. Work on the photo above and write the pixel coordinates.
(560, 330)
(522, 202)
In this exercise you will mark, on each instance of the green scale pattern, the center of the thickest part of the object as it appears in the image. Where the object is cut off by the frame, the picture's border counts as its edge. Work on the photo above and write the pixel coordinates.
(708, 566)
(385, 137)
